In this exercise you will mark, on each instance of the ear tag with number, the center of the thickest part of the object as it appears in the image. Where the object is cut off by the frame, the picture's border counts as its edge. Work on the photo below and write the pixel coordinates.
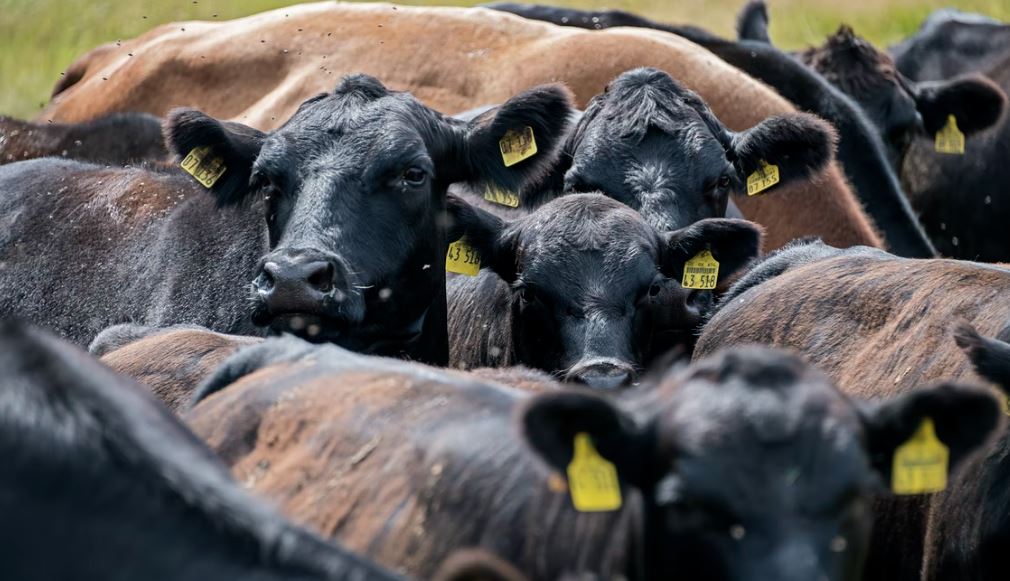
(701, 272)
(462, 258)
(592, 480)
(949, 139)
(517, 145)
(203, 166)
(763, 178)
(502, 197)
(920, 464)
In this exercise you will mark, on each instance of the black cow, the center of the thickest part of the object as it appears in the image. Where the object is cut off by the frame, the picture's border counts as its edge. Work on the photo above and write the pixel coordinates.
(100, 482)
(747, 465)
(950, 43)
(961, 198)
(117, 139)
(900, 108)
(337, 219)
(860, 149)
(656, 146)
(584, 288)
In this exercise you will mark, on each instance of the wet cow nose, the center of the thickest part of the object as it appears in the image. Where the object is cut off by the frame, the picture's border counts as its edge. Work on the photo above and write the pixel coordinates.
(295, 282)
(315, 275)
(602, 375)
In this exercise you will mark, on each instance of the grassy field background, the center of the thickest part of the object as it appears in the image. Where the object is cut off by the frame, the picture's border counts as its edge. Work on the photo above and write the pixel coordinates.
(39, 38)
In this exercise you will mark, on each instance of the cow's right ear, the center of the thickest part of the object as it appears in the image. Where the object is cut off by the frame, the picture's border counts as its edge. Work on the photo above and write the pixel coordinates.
(963, 418)
(236, 145)
(550, 422)
(484, 232)
(990, 357)
(516, 144)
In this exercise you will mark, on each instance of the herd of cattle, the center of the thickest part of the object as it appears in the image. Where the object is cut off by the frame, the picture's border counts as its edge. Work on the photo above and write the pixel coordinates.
(257, 263)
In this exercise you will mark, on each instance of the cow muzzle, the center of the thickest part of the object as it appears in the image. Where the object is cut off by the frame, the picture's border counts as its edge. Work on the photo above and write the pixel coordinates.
(307, 292)
(605, 374)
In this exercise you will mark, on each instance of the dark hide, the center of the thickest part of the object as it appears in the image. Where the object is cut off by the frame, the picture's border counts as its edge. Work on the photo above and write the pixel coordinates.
(119, 139)
(100, 482)
(860, 149)
(584, 288)
(747, 465)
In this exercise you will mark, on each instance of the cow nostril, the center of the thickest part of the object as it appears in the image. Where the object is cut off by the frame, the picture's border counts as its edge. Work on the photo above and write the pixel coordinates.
(321, 278)
(265, 281)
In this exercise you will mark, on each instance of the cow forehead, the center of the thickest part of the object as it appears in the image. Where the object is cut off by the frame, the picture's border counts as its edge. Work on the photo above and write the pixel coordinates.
(345, 119)
(585, 223)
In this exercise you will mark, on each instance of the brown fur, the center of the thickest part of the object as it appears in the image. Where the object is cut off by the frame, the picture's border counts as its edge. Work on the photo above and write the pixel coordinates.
(173, 363)
(880, 326)
(406, 48)
(393, 501)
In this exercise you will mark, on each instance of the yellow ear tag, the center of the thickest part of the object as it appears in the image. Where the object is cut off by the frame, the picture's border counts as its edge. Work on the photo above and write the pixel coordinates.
(920, 464)
(462, 258)
(949, 139)
(762, 179)
(701, 272)
(517, 145)
(592, 480)
(203, 167)
(502, 197)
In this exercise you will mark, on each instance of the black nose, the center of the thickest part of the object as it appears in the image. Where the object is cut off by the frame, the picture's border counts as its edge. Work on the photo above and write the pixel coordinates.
(293, 281)
(602, 374)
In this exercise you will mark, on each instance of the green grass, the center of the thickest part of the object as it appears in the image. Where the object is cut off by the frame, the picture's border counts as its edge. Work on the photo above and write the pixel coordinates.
(39, 38)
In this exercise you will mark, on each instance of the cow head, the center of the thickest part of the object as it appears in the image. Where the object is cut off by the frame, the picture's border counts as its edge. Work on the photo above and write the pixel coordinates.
(657, 147)
(590, 280)
(354, 184)
(901, 108)
(752, 465)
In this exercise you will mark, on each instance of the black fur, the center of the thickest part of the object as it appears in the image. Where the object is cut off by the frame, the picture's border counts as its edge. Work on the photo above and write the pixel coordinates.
(102, 482)
(117, 139)
(583, 288)
(328, 189)
(752, 22)
(860, 150)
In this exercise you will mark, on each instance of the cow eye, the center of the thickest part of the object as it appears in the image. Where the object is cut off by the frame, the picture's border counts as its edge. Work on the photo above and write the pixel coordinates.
(723, 182)
(414, 176)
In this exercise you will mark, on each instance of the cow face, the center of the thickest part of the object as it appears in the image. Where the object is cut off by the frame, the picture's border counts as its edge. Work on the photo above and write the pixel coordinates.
(355, 186)
(901, 108)
(655, 146)
(752, 465)
(590, 279)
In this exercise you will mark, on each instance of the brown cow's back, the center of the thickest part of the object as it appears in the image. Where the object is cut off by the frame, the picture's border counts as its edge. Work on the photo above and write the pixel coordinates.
(877, 325)
(403, 464)
(257, 70)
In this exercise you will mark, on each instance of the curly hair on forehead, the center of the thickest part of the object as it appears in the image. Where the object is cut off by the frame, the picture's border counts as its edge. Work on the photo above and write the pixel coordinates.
(851, 62)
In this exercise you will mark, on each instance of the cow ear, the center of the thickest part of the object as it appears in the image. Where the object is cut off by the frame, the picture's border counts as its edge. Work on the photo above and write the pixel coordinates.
(990, 357)
(734, 243)
(963, 418)
(752, 22)
(800, 145)
(975, 102)
(550, 422)
(236, 145)
(484, 232)
(540, 115)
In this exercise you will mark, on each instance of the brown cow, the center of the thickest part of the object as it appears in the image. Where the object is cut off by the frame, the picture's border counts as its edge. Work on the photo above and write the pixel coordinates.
(117, 139)
(257, 70)
(173, 361)
(879, 325)
(716, 465)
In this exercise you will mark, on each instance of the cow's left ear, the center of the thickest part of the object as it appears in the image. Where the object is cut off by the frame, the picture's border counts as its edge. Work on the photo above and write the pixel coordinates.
(515, 144)
(963, 418)
(484, 232)
(975, 102)
(550, 422)
(799, 145)
(733, 243)
(233, 145)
